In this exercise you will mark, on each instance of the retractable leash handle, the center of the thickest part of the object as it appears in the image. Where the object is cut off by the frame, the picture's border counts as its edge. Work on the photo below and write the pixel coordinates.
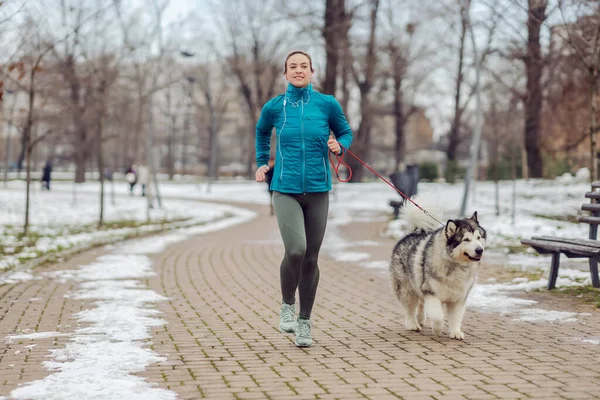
(340, 162)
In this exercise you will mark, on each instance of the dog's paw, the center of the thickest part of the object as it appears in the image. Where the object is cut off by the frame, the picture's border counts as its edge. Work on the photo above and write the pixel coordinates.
(457, 335)
(413, 326)
(437, 328)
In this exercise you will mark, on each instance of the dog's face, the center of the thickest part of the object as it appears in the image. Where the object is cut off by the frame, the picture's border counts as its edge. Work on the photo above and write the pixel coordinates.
(465, 239)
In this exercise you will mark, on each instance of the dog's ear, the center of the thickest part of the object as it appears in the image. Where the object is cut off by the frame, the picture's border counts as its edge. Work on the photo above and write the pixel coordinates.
(451, 228)
(474, 217)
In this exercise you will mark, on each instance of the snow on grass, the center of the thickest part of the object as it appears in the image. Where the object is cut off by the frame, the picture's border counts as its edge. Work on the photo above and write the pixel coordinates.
(58, 224)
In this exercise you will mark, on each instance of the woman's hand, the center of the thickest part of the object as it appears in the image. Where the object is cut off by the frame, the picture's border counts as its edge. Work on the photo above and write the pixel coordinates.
(260, 173)
(334, 146)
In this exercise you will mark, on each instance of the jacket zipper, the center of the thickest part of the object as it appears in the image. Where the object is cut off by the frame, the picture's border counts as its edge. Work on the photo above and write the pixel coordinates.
(325, 170)
(279, 142)
(303, 147)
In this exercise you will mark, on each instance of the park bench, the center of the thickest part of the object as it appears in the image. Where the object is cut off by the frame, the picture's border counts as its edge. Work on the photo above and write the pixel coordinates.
(406, 181)
(574, 248)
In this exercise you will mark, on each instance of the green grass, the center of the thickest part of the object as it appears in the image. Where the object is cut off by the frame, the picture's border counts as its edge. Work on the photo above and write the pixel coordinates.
(531, 275)
(587, 294)
(516, 248)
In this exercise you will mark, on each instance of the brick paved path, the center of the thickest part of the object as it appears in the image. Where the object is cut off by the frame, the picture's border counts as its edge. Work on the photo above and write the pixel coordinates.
(222, 341)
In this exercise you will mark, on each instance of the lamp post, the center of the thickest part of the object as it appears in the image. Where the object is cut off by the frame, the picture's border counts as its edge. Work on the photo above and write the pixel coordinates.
(185, 134)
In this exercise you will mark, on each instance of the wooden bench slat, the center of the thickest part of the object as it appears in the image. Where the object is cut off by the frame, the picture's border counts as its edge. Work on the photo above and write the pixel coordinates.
(559, 246)
(594, 207)
(573, 248)
(590, 220)
(562, 247)
(579, 242)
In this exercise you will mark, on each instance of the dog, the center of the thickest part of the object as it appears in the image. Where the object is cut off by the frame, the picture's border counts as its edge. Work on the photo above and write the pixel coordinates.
(434, 267)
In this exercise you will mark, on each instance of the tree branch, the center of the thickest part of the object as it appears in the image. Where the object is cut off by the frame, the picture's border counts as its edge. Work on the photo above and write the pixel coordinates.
(39, 139)
(570, 36)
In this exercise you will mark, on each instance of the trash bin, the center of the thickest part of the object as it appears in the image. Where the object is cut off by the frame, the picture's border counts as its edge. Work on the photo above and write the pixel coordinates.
(406, 181)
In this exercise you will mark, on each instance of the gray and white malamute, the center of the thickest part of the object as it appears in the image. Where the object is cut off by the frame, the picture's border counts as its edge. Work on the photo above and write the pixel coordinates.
(433, 269)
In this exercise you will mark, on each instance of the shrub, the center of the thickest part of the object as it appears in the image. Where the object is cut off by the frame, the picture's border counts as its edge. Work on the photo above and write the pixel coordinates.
(428, 171)
(454, 172)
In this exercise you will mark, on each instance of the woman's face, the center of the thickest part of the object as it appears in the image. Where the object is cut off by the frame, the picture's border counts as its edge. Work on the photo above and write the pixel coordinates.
(298, 70)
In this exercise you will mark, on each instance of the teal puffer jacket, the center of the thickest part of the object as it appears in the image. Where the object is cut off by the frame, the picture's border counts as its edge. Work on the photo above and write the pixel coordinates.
(303, 119)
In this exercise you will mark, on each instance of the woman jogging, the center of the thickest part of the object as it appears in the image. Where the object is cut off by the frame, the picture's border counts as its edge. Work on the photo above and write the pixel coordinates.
(303, 120)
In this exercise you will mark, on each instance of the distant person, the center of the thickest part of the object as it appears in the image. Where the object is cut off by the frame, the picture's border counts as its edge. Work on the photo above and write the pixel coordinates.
(131, 178)
(143, 174)
(46, 175)
(303, 120)
(108, 174)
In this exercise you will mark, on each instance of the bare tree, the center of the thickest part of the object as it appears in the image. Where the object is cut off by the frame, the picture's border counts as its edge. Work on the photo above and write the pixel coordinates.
(215, 104)
(30, 140)
(171, 117)
(106, 74)
(77, 21)
(477, 132)
(10, 123)
(533, 101)
(402, 79)
(253, 55)
(364, 70)
(335, 34)
(584, 37)
(6, 81)
(459, 107)
(527, 49)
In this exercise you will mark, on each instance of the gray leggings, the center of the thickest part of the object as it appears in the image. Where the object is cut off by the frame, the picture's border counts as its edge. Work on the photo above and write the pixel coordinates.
(302, 220)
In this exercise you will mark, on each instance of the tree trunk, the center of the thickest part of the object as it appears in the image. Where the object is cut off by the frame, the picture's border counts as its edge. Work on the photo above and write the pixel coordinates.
(136, 158)
(212, 138)
(454, 136)
(8, 139)
(22, 152)
(346, 64)
(533, 101)
(151, 185)
(101, 172)
(28, 143)
(79, 166)
(100, 154)
(135, 155)
(170, 148)
(334, 13)
(27, 186)
(170, 137)
(251, 158)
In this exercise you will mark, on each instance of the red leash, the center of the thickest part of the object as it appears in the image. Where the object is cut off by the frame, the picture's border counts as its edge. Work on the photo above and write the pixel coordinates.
(340, 162)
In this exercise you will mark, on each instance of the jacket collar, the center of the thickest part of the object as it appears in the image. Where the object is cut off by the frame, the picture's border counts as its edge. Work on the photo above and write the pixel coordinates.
(294, 93)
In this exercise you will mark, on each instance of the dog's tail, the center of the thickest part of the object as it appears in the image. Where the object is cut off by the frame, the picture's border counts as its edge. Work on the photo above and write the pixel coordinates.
(416, 218)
